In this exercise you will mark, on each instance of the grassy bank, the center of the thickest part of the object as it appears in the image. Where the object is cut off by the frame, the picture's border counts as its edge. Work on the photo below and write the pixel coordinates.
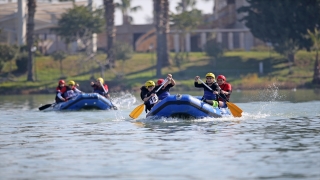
(241, 69)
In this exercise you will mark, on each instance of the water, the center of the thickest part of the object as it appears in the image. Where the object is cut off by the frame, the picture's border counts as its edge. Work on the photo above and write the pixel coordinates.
(278, 137)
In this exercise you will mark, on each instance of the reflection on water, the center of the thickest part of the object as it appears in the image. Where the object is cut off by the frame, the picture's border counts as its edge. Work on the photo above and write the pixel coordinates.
(272, 93)
(278, 137)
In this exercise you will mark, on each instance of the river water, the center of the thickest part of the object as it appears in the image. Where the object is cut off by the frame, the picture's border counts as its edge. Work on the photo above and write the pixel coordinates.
(278, 137)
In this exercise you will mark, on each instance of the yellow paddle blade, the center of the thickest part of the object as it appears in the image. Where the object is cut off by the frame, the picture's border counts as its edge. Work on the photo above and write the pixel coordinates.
(234, 109)
(137, 111)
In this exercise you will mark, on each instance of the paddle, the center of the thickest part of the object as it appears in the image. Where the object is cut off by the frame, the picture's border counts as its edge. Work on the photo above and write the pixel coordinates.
(138, 110)
(113, 106)
(234, 109)
(45, 106)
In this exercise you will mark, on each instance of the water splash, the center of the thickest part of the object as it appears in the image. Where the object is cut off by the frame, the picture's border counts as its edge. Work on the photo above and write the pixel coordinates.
(270, 94)
(124, 100)
(261, 104)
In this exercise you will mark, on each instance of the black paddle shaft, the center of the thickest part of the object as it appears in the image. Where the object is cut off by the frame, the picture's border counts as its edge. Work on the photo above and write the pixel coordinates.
(45, 107)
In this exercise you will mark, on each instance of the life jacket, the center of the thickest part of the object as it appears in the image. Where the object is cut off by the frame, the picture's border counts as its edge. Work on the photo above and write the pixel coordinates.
(99, 90)
(164, 92)
(154, 99)
(60, 90)
(164, 95)
(69, 93)
(151, 101)
(207, 94)
(225, 87)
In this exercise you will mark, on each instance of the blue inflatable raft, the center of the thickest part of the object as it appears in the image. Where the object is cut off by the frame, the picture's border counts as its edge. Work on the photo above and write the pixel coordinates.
(86, 101)
(187, 107)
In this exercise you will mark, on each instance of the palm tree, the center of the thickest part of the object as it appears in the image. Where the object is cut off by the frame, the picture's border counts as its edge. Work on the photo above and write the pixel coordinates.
(125, 7)
(32, 4)
(109, 8)
(161, 19)
(185, 22)
(315, 37)
(185, 4)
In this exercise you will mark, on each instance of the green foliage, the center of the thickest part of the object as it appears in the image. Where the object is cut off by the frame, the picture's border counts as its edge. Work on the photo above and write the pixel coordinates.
(7, 53)
(187, 20)
(79, 22)
(178, 59)
(59, 55)
(213, 49)
(234, 65)
(22, 62)
(1, 65)
(185, 4)
(315, 37)
(125, 8)
(283, 23)
(123, 51)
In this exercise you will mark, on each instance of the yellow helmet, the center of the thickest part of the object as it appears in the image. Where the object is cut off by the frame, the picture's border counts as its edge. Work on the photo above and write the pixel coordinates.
(150, 83)
(71, 83)
(210, 75)
(100, 80)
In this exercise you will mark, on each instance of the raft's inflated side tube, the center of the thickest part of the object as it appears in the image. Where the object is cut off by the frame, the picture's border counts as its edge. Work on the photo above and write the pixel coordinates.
(183, 106)
(85, 101)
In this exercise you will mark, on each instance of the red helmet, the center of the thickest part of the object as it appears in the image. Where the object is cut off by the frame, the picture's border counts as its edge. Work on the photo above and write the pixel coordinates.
(160, 81)
(61, 82)
(221, 77)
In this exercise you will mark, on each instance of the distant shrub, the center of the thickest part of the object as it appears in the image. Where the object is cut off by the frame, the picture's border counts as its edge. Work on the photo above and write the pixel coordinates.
(6, 54)
(213, 49)
(1, 65)
(22, 63)
(123, 51)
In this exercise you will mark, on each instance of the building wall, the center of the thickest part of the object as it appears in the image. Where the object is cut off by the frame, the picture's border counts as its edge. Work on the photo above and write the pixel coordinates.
(141, 37)
(46, 17)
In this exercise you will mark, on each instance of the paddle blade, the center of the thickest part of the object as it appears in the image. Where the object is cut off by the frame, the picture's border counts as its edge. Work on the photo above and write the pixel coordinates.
(44, 107)
(137, 111)
(234, 109)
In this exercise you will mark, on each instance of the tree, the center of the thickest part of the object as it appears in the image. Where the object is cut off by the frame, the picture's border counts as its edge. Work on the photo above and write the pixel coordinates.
(32, 4)
(7, 53)
(315, 37)
(283, 23)
(161, 20)
(125, 7)
(186, 22)
(109, 8)
(185, 4)
(79, 23)
(123, 51)
(213, 49)
(59, 56)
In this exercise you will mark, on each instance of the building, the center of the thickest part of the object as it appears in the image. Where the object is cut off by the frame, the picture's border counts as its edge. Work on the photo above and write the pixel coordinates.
(13, 21)
(223, 23)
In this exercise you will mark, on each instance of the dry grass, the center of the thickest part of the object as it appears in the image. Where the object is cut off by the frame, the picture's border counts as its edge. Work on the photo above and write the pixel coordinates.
(241, 69)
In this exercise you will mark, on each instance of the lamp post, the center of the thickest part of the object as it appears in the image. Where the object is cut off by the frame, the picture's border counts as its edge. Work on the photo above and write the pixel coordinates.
(33, 49)
(151, 52)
